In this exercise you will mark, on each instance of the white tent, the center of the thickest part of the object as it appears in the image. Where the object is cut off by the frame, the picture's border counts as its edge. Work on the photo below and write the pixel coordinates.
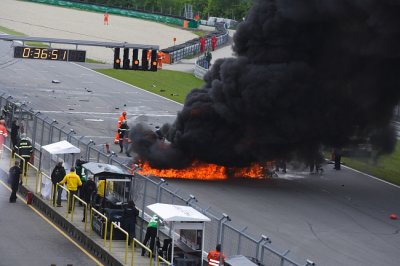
(61, 147)
(180, 217)
(57, 148)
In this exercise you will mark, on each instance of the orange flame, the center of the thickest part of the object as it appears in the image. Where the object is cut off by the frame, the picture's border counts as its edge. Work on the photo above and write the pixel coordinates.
(202, 171)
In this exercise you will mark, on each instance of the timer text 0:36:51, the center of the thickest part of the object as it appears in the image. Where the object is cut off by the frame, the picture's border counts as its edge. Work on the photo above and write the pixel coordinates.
(49, 54)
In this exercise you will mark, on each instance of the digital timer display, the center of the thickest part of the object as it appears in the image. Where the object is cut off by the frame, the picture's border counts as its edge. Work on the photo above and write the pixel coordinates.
(49, 54)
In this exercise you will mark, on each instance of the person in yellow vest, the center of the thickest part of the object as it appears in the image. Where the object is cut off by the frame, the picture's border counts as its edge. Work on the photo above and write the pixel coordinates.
(73, 182)
(101, 188)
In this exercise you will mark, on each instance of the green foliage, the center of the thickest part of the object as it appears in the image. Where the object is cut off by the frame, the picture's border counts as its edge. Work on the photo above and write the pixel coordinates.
(173, 85)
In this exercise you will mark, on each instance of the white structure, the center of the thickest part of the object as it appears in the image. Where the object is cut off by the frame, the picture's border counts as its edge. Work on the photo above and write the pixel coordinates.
(180, 217)
(50, 150)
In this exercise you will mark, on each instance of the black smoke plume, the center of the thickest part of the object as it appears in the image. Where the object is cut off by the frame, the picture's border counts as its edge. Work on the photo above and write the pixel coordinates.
(307, 73)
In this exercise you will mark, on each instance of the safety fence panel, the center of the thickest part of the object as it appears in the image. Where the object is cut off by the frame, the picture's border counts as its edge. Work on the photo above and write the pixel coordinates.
(246, 246)
(230, 240)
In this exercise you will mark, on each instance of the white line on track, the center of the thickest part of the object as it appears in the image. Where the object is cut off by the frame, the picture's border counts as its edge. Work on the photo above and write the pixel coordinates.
(371, 176)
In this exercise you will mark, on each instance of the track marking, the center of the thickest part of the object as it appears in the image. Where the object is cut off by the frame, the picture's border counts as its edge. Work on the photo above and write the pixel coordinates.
(56, 227)
(371, 176)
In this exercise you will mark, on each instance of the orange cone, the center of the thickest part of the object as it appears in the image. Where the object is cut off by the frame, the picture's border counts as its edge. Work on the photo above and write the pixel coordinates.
(393, 216)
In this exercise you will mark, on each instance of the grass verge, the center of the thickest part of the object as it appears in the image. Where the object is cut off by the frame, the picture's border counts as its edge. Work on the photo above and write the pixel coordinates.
(173, 85)
(387, 167)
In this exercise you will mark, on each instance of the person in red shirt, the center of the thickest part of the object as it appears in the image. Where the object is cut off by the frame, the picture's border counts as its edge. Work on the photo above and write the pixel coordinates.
(202, 44)
(105, 18)
(3, 133)
(213, 42)
(214, 256)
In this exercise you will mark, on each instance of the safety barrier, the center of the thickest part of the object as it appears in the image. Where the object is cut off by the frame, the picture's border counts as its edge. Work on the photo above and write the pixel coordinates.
(135, 241)
(93, 210)
(192, 47)
(113, 224)
(145, 190)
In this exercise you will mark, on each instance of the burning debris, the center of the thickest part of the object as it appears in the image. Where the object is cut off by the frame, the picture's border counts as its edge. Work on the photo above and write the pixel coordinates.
(308, 73)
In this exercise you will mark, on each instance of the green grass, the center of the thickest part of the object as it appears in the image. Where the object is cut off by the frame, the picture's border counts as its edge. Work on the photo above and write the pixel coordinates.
(10, 31)
(386, 168)
(173, 85)
(88, 60)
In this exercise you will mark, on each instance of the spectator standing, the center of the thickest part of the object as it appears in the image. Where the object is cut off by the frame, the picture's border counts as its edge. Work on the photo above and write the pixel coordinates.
(208, 57)
(14, 135)
(15, 179)
(73, 182)
(57, 176)
(24, 149)
(151, 233)
(129, 219)
(80, 171)
(87, 190)
(202, 42)
(105, 18)
(213, 42)
(214, 256)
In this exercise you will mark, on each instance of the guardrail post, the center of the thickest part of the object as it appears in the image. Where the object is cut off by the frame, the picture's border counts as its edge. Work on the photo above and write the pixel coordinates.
(240, 239)
(87, 155)
(264, 240)
(51, 130)
(224, 219)
(34, 129)
(162, 181)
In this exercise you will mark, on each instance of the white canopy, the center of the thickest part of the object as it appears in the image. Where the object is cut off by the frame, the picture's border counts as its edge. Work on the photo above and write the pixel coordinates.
(177, 213)
(181, 217)
(61, 147)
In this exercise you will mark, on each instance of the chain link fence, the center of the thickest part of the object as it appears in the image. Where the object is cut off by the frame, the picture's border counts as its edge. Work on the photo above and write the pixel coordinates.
(43, 130)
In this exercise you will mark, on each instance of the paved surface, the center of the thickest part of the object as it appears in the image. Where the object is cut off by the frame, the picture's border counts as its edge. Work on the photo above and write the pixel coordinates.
(27, 239)
(340, 218)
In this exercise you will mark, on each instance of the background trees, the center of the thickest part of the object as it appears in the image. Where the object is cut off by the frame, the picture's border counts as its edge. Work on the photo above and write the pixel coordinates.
(234, 9)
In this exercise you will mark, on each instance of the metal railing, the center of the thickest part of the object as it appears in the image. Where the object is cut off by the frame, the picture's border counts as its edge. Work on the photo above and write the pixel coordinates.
(192, 47)
(145, 190)
(135, 241)
(113, 224)
(93, 210)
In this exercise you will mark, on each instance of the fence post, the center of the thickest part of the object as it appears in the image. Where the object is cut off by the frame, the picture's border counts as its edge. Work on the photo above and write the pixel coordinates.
(264, 239)
(226, 218)
(87, 155)
(51, 130)
(162, 181)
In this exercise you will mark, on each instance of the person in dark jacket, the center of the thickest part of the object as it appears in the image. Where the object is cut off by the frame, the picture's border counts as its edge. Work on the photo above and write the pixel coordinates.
(57, 175)
(15, 179)
(14, 135)
(123, 135)
(87, 190)
(129, 219)
(80, 171)
(337, 153)
(24, 149)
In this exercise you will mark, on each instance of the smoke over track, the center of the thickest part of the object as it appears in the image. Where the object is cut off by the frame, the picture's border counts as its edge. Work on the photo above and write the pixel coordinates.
(308, 73)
